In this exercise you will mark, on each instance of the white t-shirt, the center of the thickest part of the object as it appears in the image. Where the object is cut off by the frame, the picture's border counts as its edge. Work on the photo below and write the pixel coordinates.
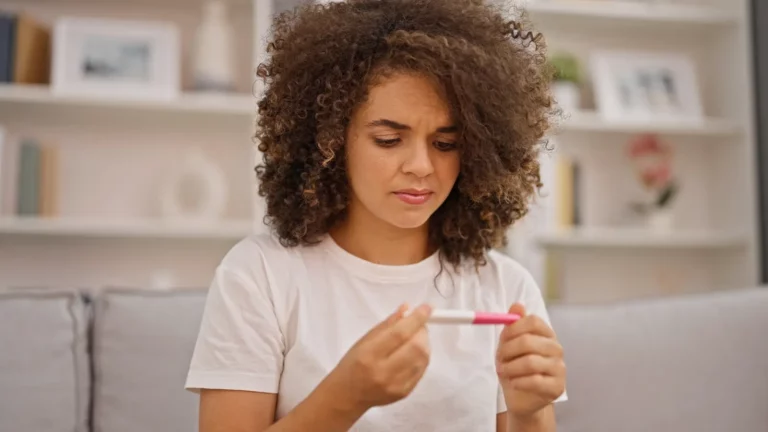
(279, 319)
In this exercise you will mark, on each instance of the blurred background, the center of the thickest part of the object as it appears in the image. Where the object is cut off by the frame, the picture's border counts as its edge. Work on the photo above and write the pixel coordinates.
(126, 172)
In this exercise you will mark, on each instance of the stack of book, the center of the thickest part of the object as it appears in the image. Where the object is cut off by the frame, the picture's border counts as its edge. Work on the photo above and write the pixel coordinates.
(25, 50)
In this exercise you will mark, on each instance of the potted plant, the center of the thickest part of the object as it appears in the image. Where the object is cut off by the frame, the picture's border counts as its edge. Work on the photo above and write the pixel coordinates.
(566, 84)
(652, 162)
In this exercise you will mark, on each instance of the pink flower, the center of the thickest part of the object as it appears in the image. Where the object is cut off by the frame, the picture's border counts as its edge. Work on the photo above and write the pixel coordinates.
(644, 145)
(652, 161)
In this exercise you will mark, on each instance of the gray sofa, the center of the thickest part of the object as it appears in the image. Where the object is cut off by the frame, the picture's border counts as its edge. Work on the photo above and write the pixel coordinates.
(116, 362)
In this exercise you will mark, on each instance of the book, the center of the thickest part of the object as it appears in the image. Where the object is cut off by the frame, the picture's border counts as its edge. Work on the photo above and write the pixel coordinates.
(48, 188)
(28, 183)
(7, 46)
(31, 51)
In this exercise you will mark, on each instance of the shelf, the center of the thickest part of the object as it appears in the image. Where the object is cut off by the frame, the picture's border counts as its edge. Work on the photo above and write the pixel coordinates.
(592, 122)
(639, 238)
(621, 12)
(239, 105)
(122, 229)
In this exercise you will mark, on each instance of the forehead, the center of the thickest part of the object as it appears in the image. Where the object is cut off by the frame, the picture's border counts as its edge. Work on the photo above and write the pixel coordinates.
(407, 97)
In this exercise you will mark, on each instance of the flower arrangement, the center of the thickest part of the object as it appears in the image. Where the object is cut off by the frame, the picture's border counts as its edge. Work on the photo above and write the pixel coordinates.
(652, 161)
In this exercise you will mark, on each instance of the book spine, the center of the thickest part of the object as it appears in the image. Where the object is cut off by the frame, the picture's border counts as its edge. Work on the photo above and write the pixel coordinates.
(28, 180)
(7, 49)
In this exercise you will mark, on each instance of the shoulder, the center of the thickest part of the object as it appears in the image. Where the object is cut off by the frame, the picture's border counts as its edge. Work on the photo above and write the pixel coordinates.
(508, 271)
(261, 261)
(512, 281)
(259, 252)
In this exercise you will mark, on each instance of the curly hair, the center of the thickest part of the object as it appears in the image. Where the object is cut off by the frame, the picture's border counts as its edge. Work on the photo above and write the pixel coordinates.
(324, 58)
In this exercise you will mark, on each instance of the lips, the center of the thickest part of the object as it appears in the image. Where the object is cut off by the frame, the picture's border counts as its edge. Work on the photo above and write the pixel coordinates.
(414, 196)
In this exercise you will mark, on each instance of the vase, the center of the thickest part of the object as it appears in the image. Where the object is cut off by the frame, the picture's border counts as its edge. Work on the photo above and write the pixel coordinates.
(213, 50)
(195, 191)
(567, 95)
(660, 219)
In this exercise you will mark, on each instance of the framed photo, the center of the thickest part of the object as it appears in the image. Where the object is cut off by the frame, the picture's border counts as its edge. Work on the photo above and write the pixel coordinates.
(116, 58)
(640, 86)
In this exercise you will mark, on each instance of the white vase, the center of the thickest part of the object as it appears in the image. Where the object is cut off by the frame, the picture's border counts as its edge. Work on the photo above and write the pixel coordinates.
(195, 191)
(661, 220)
(567, 95)
(213, 53)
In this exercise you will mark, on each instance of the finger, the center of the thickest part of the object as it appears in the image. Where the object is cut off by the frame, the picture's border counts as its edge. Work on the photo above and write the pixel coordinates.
(408, 379)
(546, 386)
(402, 331)
(528, 324)
(415, 352)
(530, 365)
(410, 361)
(387, 322)
(526, 344)
(518, 309)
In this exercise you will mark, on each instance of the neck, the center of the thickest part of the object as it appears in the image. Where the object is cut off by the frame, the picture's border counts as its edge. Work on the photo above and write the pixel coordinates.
(376, 241)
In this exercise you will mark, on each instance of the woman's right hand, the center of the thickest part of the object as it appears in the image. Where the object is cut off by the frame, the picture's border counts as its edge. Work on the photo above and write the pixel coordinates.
(385, 365)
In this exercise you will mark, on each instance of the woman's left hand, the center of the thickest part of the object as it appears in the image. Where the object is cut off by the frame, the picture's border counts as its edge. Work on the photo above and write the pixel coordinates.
(530, 365)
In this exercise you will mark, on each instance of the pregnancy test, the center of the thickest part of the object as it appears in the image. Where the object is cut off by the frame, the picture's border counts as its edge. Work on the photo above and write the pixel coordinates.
(446, 316)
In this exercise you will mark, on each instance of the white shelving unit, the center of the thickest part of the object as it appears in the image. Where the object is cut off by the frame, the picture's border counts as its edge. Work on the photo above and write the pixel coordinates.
(713, 244)
(608, 238)
(114, 156)
(650, 13)
(241, 106)
(114, 229)
(115, 152)
(591, 122)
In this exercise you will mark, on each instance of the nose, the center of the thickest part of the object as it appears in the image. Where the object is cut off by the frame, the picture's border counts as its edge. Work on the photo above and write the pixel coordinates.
(419, 160)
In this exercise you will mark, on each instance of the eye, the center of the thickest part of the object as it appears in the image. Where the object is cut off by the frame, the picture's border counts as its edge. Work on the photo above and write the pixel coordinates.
(445, 145)
(386, 142)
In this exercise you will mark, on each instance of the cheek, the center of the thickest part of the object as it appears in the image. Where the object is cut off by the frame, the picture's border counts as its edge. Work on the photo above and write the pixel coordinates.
(369, 167)
(447, 167)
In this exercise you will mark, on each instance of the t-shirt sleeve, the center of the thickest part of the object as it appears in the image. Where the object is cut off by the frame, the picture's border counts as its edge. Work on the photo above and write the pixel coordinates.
(240, 345)
(529, 295)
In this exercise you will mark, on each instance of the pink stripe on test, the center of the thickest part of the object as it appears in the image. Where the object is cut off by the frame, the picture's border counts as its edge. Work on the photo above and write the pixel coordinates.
(495, 318)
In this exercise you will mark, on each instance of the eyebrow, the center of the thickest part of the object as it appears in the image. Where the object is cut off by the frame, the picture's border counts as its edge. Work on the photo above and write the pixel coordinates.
(399, 126)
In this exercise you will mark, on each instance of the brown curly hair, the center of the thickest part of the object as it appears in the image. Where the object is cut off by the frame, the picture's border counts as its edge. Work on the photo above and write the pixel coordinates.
(324, 58)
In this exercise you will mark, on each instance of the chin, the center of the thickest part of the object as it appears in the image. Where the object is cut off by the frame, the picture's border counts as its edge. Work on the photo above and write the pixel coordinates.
(408, 221)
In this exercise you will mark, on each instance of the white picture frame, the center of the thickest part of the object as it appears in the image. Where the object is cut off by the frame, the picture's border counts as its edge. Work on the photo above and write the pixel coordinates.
(645, 86)
(114, 58)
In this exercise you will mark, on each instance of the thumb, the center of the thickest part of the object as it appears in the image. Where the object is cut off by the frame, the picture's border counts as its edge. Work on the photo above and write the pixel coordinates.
(518, 309)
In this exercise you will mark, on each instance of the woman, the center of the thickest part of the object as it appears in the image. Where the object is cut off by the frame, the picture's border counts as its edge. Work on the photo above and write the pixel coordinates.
(400, 142)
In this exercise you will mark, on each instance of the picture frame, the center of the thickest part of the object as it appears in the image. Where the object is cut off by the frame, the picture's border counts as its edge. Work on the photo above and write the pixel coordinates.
(646, 86)
(116, 58)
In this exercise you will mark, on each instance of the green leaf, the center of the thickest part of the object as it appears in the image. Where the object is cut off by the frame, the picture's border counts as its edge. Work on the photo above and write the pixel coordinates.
(566, 68)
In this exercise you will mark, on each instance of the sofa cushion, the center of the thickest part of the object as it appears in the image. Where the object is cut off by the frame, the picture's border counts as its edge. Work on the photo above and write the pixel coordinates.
(143, 342)
(44, 369)
(695, 363)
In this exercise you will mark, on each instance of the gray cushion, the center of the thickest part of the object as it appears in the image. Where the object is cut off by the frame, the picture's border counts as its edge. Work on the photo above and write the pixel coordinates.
(44, 369)
(143, 343)
(696, 363)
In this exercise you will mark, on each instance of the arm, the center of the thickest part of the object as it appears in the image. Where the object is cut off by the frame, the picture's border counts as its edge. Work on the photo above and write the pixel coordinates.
(543, 421)
(381, 368)
(242, 411)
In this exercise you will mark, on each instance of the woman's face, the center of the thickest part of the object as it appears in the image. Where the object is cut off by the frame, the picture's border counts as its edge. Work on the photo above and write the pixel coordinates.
(402, 160)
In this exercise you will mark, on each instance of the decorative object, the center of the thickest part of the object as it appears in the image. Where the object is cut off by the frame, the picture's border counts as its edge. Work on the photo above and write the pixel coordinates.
(652, 162)
(566, 86)
(115, 58)
(196, 192)
(213, 50)
(646, 86)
